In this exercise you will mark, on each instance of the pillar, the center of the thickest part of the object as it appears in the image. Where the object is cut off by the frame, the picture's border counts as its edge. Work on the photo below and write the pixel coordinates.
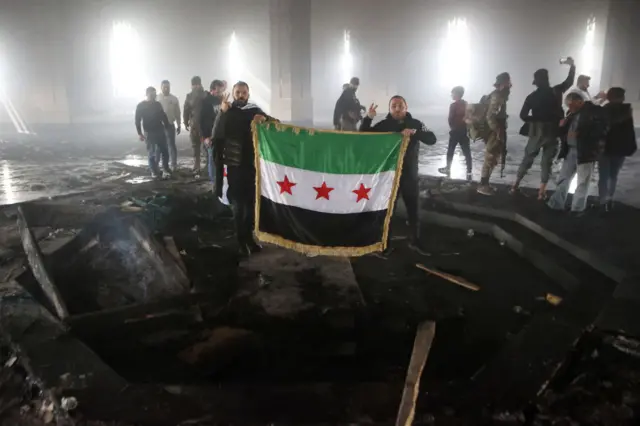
(291, 97)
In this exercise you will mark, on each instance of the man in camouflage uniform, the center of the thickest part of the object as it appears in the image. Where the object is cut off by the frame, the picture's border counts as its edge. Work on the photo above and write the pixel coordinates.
(191, 118)
(497, 130)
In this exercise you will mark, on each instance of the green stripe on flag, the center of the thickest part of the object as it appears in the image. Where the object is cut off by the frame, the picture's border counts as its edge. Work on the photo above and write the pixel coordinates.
(329, 152)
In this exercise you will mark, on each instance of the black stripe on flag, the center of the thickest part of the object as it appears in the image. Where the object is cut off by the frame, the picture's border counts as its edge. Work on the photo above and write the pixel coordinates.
(321, 229)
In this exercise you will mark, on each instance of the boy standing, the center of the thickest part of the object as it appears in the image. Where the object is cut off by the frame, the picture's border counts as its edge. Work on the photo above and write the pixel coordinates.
(458, 131)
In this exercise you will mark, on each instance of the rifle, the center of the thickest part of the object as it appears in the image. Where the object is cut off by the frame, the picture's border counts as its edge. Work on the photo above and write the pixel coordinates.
(504, 153)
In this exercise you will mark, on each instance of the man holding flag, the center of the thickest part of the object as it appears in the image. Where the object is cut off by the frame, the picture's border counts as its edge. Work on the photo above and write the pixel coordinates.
(400, 120)
(233, 148)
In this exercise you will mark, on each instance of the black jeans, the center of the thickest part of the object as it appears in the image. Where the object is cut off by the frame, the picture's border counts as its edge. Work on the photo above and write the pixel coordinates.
(459, 137)
(410, 192)
(156, 149)
(241, 195)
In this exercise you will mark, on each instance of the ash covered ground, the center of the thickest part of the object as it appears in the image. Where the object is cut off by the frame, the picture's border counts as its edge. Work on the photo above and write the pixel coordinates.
(598, 382)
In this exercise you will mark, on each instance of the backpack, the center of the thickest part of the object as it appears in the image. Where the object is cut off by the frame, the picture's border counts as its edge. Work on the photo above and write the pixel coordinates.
(475, 117)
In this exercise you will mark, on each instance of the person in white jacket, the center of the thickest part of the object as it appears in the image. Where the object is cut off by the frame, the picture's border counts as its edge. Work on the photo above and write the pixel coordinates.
(582, 88)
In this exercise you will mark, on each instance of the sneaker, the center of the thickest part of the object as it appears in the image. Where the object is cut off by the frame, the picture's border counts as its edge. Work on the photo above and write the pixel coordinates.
(417, 247)
(444, 170)
(154, 175)
(485, 190)
(166, 175)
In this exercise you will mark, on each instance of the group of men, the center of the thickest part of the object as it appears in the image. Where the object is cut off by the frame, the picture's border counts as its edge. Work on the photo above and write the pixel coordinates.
(598, 130)
(158, 121)
(588, 132)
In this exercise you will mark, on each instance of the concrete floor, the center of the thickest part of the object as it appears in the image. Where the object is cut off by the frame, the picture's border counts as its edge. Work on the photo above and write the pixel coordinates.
(59, 160)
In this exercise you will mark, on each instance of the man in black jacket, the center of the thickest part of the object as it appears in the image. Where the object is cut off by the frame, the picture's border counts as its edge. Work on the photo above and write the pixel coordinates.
(191, 112)
(399, 120)
(582, 134)
(541, 112)
(348, 109)
(620, 143)
(151, 118)
(210, 109)
(233, 147)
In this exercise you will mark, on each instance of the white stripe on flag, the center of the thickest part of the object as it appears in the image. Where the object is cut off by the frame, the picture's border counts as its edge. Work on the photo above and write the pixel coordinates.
(339, 189)
(225, 187)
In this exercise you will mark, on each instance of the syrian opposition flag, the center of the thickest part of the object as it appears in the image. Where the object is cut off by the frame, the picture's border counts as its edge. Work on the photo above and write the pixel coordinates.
(325, 192)
(225, 186)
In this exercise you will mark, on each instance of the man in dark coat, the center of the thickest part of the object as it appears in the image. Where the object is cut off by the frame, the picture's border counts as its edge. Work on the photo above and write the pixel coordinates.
(620, 143)
(582, 134)
(542, 111)
(191, 119)
(348, 110)
(400, 120)
(233, 147)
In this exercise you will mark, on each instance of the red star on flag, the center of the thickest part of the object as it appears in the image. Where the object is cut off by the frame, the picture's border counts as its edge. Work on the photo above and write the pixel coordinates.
(323, 191)
(286, 185)
(362, 193)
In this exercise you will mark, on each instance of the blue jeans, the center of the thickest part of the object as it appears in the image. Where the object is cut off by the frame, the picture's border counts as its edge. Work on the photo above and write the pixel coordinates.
(569, 168)
(156, 148)
(210, 164)
(173, 150)
(608, 167)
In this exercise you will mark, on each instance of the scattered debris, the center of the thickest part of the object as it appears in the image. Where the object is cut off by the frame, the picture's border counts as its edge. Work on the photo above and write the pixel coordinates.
(69, 403)
(553, 299)
(626, 345)
(451, 278)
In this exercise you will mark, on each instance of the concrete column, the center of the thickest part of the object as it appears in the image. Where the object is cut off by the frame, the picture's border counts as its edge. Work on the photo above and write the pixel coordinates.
(291, 98)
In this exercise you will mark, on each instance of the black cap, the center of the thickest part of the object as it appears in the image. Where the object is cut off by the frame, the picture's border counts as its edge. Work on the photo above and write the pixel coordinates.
(196, 81)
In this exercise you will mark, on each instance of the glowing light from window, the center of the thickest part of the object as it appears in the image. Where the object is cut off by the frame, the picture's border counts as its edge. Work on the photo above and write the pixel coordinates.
(5, 101)
(455, 54)
(588, 49)
(239, 70)
(127, 62)
(347, 58)
(236, 60)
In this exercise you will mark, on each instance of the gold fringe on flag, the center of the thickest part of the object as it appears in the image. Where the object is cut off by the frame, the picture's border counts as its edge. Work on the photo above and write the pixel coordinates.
(319, 250)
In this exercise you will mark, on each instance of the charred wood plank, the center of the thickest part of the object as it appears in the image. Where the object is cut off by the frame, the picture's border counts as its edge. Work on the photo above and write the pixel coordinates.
(175, 279)
(108, 318)
(421, 348)
(38, 267)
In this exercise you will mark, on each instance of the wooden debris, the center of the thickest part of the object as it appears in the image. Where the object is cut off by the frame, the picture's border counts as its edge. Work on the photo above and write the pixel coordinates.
(553, 299)
(451, 278)
(421, 347)
(175, 280)
(38, 267)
